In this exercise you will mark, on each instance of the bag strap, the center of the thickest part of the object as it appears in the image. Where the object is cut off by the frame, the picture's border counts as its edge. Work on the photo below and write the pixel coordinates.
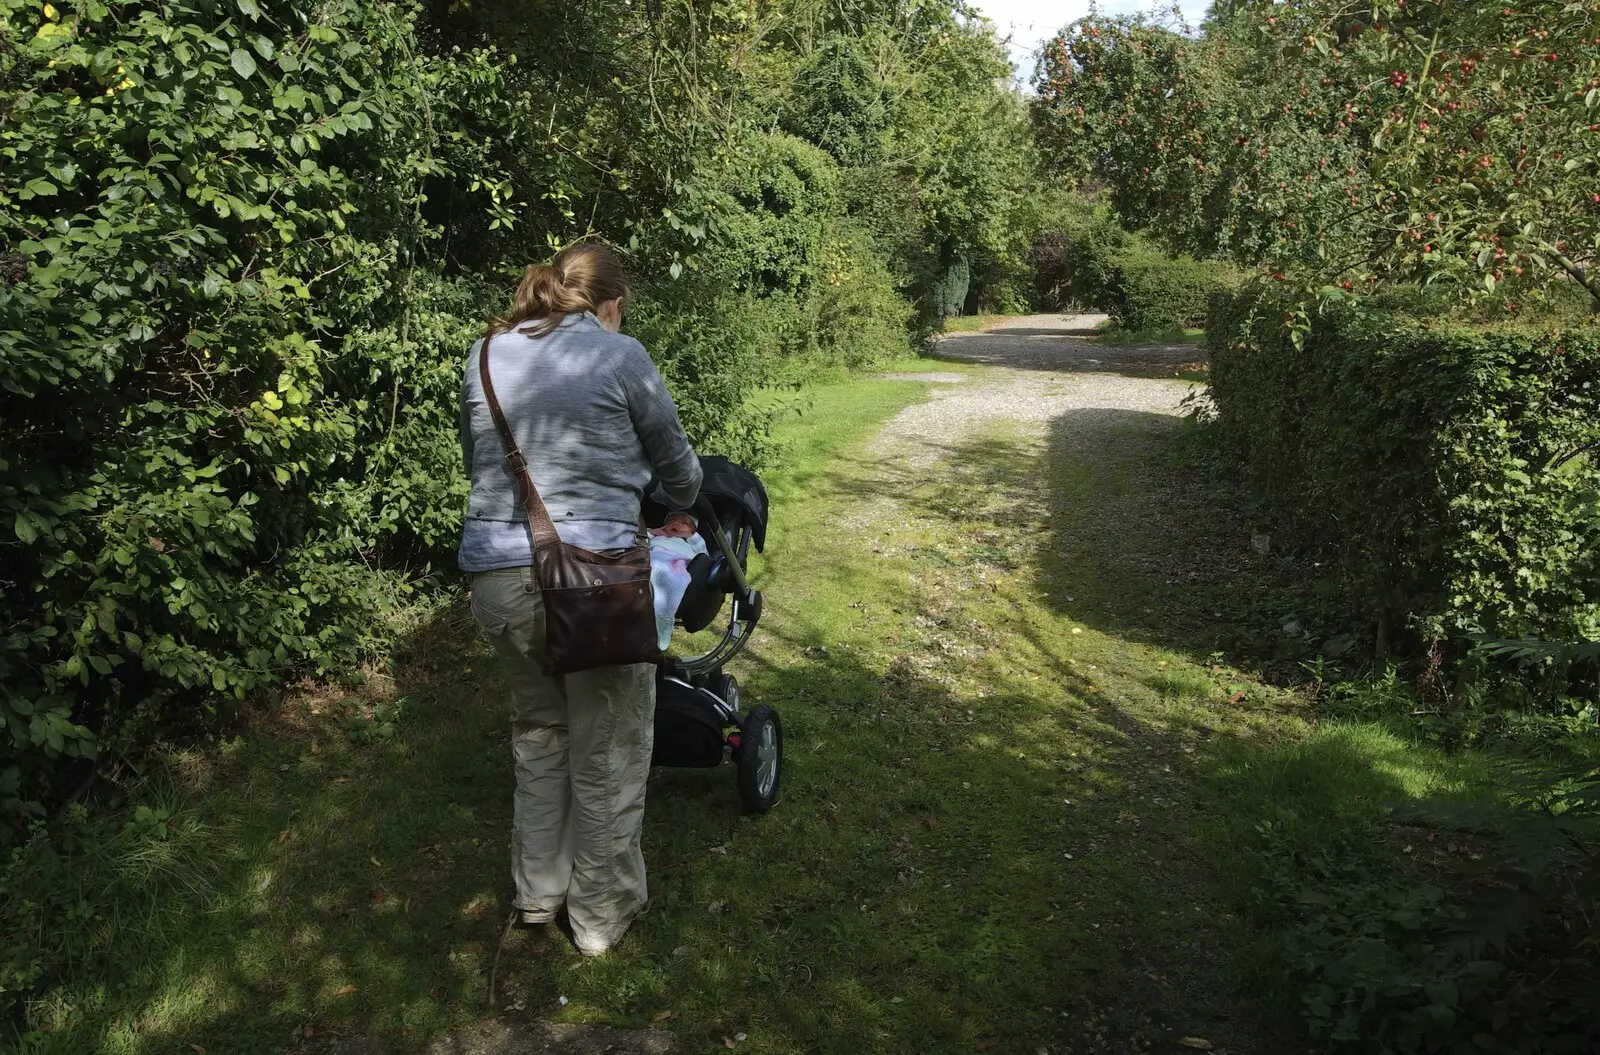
(539, 522)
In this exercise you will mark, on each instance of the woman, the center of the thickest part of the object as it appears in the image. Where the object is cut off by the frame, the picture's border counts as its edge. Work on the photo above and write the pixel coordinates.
(592, 415)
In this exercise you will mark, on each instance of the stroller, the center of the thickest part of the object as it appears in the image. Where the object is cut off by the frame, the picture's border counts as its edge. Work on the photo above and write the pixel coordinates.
(697, 705)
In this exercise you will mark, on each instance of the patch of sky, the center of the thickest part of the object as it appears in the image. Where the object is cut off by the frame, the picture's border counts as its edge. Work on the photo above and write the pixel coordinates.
(1029, 23)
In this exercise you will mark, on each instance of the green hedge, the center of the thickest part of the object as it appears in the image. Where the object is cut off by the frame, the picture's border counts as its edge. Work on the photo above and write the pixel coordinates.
(1450, 471)
(1147, 290)
(1090, 262)
(243, 248)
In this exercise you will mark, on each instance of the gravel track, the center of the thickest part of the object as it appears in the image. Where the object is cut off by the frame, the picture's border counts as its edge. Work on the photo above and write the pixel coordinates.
(1040, 373)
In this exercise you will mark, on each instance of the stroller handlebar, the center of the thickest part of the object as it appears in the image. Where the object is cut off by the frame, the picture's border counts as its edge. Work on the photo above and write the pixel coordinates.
(729, 554)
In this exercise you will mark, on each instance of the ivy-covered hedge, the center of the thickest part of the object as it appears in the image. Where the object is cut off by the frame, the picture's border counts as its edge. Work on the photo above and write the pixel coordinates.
(1451, 471)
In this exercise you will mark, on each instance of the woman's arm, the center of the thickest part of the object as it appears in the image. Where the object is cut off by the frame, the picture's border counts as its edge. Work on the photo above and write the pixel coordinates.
(655, 420)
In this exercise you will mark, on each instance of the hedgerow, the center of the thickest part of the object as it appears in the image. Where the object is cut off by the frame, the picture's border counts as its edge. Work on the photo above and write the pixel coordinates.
(244, 247)
(1448, 469)
(1088, 260)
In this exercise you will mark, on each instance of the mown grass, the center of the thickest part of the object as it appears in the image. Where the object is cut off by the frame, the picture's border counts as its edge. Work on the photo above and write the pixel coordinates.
(1026, 762)
(1110, 332)
(973, 323)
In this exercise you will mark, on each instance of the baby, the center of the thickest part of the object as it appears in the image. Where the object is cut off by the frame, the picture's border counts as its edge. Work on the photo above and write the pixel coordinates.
(677, 525)
(672, 546)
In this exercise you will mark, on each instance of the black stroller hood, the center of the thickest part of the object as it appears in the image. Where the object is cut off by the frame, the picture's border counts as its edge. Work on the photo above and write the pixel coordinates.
(736, 495)
(732, 491)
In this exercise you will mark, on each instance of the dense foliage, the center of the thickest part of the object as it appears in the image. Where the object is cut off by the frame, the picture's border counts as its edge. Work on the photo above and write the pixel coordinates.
(1455, 144)
(1087, 260)
(1446, 469)
(1394, 962)
(243, 247)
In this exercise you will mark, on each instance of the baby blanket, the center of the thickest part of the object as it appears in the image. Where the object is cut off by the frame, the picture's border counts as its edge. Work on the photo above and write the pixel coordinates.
(669, 578)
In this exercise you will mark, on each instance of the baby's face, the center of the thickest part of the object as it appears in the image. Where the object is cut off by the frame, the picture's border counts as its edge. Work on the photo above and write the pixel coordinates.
(677, 525)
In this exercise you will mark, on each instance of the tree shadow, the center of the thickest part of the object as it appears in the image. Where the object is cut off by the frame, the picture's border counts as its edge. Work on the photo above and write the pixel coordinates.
(1062, 351)
(913, 891)
(1049, 861)
(1125, 532)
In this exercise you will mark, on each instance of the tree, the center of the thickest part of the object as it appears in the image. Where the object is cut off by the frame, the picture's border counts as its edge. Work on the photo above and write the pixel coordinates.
(1408, 141)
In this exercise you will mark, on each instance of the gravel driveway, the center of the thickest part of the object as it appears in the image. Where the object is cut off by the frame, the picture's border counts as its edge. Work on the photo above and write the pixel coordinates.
(1060, 344)
(1042, 371)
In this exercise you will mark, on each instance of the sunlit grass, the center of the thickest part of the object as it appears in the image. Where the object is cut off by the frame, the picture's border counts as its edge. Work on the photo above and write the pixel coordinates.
(973, 323)
(1018, 792)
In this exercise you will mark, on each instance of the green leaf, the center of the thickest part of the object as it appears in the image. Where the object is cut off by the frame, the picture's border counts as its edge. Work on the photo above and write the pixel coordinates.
(264, 48)
(24, 528)
(242, 62)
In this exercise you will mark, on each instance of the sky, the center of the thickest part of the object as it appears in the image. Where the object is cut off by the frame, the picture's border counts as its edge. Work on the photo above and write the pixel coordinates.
(1031, 22)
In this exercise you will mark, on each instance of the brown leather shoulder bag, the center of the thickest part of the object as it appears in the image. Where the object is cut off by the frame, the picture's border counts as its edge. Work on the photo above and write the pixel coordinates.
(599, 610)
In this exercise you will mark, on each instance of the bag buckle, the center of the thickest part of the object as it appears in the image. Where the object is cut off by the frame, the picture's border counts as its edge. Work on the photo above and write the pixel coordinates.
(516, 461)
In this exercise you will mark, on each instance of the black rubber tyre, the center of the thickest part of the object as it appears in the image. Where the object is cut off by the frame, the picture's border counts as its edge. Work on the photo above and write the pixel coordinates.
(727, 687)
(760, 760)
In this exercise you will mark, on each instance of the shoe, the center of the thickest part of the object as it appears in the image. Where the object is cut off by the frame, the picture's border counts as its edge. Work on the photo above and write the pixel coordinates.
(529, 917)
(601, 950)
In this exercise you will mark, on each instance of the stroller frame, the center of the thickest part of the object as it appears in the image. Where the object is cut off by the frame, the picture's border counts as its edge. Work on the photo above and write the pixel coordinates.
(698, 713)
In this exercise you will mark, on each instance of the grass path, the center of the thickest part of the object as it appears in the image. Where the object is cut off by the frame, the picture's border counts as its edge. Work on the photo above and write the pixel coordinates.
(1022, 763)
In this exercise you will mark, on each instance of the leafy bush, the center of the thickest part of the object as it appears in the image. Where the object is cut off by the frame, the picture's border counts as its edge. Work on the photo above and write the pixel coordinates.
(1145, 289)
(1448, 470)
(1091, 262)
(224, 391)
(1072, 257)
(1389, 962)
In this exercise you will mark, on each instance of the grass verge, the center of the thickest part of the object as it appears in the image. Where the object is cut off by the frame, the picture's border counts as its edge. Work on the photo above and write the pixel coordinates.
(973, 323)
(1109, 332)
(1028, 766)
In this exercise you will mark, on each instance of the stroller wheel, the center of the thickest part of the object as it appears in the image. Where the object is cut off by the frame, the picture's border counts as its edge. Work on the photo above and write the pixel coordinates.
(727, 686)
(760, 760)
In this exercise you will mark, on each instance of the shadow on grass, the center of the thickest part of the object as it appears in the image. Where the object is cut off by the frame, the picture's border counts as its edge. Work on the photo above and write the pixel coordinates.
(1124, 537)
(1054, 858)
(938, 875)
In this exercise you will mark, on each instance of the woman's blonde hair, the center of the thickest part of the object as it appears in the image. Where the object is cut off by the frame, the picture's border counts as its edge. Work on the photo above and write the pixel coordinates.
(580, 278)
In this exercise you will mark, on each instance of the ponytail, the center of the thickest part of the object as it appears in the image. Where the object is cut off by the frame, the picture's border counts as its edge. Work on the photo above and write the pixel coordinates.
(580, 278)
